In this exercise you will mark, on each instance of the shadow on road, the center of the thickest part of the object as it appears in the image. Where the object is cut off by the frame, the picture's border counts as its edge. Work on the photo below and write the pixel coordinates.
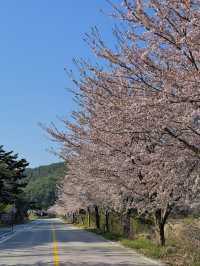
(26, 239)
(81, 264)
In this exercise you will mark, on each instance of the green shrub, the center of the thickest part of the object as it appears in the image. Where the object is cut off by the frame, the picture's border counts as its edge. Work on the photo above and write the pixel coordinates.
(6, 208)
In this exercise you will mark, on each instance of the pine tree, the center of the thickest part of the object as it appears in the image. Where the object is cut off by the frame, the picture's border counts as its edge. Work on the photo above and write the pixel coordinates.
(12, 177)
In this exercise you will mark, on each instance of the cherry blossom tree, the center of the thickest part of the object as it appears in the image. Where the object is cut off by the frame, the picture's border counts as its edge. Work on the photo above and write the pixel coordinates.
(151, 173)
(134, 143)
(158, 61)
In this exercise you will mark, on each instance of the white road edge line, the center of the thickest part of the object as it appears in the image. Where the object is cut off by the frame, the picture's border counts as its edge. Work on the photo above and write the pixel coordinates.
(12, 234)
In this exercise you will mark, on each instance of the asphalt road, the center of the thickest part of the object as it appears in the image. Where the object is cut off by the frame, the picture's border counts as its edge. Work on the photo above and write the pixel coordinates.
(51, 242)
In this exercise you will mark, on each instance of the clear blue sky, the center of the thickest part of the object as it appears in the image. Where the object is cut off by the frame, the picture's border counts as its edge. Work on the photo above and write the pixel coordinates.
(38, 38)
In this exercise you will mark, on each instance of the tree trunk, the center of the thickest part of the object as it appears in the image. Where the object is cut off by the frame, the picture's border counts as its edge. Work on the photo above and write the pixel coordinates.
(127, 225)
(73, 218)
(97, 217)
(160, 219)
(107, 216)
(162, 234)
(89, 218)
(82, 219)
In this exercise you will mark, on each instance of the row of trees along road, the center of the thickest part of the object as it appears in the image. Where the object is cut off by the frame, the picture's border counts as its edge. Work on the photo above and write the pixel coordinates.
(12, 181)
(133, 143)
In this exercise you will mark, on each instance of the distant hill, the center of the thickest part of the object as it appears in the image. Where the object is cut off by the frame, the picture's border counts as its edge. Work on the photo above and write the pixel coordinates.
(42, 183)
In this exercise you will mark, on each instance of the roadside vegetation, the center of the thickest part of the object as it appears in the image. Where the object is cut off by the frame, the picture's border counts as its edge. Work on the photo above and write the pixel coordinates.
(12, 182)
(183, 237)
(24, 191)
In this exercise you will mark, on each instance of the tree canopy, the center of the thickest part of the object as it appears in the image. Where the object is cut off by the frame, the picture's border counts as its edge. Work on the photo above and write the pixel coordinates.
(12, 177)
(12, 183)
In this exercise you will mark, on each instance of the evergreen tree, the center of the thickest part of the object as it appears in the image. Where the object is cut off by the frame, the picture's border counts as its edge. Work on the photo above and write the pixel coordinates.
(12, 177)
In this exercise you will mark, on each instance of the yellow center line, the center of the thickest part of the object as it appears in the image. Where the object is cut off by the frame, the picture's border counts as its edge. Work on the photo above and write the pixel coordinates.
(55, 248)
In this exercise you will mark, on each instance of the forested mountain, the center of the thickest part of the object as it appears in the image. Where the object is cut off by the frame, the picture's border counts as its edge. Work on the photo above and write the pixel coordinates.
(42, 182)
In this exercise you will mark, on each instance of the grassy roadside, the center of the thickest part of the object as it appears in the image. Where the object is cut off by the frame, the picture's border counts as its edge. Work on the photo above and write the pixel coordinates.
(143, 245)
(182, 245)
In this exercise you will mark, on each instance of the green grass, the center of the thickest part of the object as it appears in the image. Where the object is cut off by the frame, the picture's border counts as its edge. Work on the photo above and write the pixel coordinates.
(196, 260)
(107, 235)
(145, 246)
(189, 220)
